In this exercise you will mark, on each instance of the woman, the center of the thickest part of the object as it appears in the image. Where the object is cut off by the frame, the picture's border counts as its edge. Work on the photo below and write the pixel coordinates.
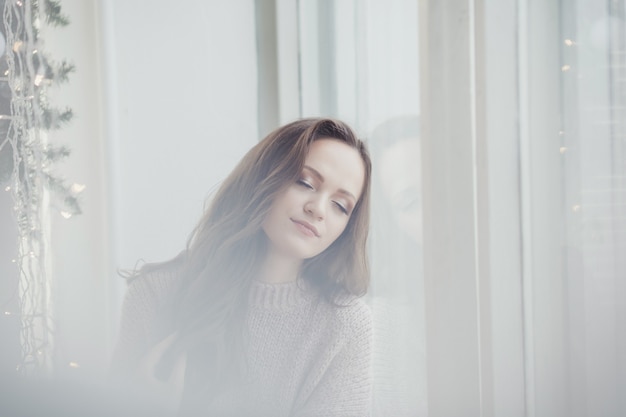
(259, 315)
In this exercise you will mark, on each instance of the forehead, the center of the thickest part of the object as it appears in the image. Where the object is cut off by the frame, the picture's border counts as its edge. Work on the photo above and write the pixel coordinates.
(340, 164)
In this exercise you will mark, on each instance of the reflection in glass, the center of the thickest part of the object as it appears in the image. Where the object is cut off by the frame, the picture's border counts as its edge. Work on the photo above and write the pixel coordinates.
(359, 62)
(397, 281)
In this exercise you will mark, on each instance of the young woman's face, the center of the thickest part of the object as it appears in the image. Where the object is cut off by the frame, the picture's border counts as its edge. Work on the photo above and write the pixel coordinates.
(313, 212)
(401, 179)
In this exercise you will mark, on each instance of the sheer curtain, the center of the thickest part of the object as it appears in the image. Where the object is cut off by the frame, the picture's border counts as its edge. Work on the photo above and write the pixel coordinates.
(593, 168)
(501, 264)
(359, 62)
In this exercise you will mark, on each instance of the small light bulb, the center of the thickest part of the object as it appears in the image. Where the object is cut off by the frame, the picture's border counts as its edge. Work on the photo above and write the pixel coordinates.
(78, 188)
(569, 42)
(73, 365)
(565, 68)
(66, 214)
(7, 188)
(562, 149)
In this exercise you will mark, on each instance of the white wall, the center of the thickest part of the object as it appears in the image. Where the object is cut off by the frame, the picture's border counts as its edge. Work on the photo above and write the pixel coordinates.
(184, 98)
(165, 97)
(81, 272)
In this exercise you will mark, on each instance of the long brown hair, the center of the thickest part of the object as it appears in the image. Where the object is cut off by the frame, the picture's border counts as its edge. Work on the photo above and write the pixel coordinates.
(228, 245)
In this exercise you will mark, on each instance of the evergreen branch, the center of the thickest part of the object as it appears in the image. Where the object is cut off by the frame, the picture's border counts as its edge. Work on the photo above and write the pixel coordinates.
(55, 119)
(59, 189)
(71, 202)
(55, 153)
(52, 9)
(61, 71)
(57, 72)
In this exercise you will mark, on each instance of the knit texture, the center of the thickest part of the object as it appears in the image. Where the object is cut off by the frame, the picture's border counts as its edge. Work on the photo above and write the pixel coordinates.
(306, 357)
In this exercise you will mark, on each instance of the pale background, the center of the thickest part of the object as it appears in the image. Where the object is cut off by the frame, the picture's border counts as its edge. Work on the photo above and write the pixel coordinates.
(520, 310)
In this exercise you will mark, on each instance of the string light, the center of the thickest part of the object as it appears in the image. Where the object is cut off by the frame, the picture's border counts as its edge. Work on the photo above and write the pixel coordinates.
(77, 188)
(38, 79)
(66, 214)
(7, 188)
(569, 42)
(73, 365)
(562, 149)
(565, 68)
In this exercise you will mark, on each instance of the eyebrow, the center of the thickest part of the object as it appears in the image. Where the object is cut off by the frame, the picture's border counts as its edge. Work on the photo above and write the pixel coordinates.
(320, 177)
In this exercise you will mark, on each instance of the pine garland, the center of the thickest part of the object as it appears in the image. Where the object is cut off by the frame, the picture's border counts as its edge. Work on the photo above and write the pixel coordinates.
(53, 14)
(48, 72)
(26, 161)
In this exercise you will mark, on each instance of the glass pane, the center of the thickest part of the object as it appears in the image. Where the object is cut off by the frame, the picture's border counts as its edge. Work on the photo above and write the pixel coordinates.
(594, 179)
(359, 62)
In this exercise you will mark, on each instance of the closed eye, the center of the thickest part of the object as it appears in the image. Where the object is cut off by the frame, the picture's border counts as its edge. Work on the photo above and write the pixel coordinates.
(306, 184)
(341, 207)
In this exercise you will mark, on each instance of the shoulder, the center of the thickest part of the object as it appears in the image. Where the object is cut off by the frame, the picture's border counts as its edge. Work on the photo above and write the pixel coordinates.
(141, 315)
(148, 296)
(153, 283)
(352, 316)
(353, 308)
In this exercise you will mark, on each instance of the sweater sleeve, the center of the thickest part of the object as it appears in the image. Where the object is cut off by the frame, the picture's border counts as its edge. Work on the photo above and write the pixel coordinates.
(138, 316)
(344, 389)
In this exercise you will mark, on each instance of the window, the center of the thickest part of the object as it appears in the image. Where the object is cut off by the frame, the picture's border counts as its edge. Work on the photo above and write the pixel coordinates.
(522, 148)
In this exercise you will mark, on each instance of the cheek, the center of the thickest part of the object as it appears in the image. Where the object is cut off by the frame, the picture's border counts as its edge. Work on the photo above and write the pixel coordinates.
(272, 218)
(337, 227)
(280, 204)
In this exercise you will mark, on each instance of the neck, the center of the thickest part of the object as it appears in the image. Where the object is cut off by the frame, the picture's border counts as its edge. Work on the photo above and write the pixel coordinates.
(277, 269)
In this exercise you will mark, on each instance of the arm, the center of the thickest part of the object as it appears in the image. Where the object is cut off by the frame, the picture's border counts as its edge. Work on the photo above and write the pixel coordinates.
(142, 323)
(136, 353)
(138, 316)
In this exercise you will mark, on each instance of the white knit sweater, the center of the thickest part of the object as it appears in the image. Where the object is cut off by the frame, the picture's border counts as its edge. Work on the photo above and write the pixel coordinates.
(305, 358)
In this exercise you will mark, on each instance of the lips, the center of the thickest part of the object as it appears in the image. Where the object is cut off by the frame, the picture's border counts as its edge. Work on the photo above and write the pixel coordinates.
(306, 227)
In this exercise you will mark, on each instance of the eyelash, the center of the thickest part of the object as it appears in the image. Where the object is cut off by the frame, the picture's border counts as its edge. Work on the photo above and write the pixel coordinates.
(305, 184)
(342, 208)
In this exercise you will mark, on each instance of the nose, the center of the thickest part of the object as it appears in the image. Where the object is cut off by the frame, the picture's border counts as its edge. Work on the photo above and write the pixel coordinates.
(315, 208)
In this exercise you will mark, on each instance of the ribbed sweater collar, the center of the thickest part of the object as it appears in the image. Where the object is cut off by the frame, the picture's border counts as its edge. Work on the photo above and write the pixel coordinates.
(279, 296)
